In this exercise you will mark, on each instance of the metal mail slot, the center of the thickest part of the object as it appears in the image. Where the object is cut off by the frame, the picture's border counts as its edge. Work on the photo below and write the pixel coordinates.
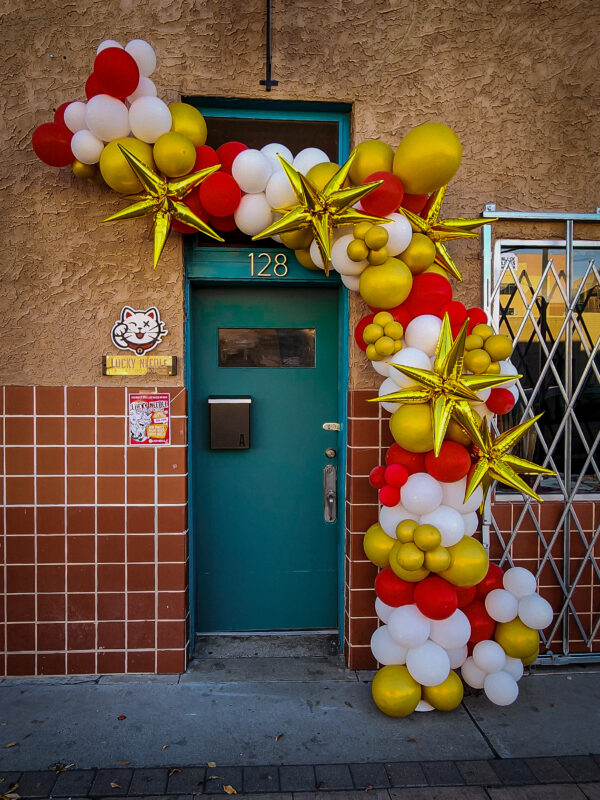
(229, 423)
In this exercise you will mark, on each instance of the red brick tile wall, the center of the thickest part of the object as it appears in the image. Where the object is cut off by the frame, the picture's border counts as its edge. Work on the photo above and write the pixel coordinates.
(93, 535)
(368, 439)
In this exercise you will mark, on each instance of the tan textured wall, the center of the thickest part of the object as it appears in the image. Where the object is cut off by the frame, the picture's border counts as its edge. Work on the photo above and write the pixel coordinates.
(517, 80)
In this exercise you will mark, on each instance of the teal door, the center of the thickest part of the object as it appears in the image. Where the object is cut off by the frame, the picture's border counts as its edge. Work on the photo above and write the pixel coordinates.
(266, 559)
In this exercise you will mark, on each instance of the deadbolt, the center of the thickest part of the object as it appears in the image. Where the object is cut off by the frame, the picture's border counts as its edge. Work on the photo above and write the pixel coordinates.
(330, 452)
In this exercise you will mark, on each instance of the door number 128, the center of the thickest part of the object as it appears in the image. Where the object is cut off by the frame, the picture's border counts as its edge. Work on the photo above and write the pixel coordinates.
(278, 263)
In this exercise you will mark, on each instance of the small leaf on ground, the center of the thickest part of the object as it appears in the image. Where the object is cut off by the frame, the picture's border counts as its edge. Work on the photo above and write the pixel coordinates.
(164, 747)
(114, 785)
(278, 737)
(412, 739)
(124, 763)
(10, 744)
(229, 789)
(121, 717)
(173, 771)
(211, 764)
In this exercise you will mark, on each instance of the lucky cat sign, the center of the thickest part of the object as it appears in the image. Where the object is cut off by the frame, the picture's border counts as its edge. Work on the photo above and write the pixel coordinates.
(138, 330)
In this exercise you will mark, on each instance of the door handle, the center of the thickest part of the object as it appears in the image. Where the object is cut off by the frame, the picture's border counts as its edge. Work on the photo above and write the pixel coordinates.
(330, 493)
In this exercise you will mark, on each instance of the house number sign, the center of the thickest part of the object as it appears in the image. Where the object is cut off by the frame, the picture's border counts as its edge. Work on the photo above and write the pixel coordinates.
(267, 265)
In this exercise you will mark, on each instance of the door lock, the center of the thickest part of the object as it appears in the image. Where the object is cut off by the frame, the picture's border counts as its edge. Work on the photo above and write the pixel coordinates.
(330, 452)
(330, 493)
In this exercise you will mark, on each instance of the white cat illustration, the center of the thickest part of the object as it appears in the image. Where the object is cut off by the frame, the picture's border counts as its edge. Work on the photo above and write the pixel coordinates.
(138, 330)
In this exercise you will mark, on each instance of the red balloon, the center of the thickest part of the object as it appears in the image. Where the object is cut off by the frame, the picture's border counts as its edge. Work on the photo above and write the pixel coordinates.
(456, 311)
(223, 224)
(220, 195)
(465, 594)
(414, 462)
(452, 463)
(428, 294)
(52, 144)
(377, 477)
(414, 202)
(386, 198)
(396, 475)
(482, 625)
(116, 72)
(436, 598)
(227, 153)
(192, 200)
(392, 590)
(402, 315)
(493, 580)
(359, 329)
(389, 496)
(93, 87)
(205, 157)
(500, 401)
(59, 114)
(477, 316)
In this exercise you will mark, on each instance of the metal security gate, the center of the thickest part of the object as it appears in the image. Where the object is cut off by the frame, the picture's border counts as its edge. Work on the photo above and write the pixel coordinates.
(545, 295)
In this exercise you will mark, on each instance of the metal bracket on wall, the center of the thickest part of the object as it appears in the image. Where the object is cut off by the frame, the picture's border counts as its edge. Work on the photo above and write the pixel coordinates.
(268, 81)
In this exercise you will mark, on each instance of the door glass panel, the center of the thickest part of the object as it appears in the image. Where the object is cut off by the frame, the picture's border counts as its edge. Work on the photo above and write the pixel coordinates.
(267, 347)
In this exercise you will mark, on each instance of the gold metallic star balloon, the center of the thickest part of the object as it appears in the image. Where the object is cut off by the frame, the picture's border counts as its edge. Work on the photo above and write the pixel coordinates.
(322, 211)
(445, 387)
(494, 462)
(440, 231)
(163, 200)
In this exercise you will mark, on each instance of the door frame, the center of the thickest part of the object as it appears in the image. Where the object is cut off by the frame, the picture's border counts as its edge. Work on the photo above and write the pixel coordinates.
(198, 272)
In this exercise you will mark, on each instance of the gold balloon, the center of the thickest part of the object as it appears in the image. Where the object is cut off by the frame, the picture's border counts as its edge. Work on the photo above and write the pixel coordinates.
(386, 285)
(174, 154)
(297, 240)
(321, 174)
(83, 171)
(435, 269)
(517, 639)
(409, 556)
(395, 691)
(412, 428)
(427, 157)
(527, 660)
(455, 433)
(405, 530)
(447, 695)
(420, 254)
(115, 168)
(377, 545)
(469, 563)
(371, 156)
(499, 347)
(188, 121)
(411, 575)
(427, 537)
(438, 559)
(303, 256)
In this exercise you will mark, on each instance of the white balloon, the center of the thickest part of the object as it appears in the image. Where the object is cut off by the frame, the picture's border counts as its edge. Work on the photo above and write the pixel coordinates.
(423, 333)
(452, 632)
(409, 357)
(428, 664)
(514, 391)
(279, 191)
(408, 626)
(519, 581)
(471, 522)
(383, 365)
(501, 605)
(423, 705)
(107, 118)
(387, 387)
(74, 116)
(458, 656)
(489, 656)
(108, 43)
(143, 54)
(150, 118)
(448, 522)
(385, 649)
(501, 688)
(251, 171)
(86, 147)
(351, 282)
(315, 254)
(421, 494)
(508, 368)
(391, 516)
(145, 88)
(399, 233)
(309, 158)
(514, 667)
(483, 394)
(454, 494)
(253, 214)
(472, 675)
(382, 610)
(271, 150)
(340, 260)
(535, 612)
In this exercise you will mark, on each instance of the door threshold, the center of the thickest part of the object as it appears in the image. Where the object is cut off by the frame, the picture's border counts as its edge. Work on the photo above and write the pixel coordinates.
(268, 644)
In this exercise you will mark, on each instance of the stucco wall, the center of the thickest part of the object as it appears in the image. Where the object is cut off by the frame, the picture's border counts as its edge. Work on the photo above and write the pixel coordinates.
(517, 81)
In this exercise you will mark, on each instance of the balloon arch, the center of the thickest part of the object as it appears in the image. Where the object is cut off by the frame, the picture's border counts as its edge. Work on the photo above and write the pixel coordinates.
(376, 221)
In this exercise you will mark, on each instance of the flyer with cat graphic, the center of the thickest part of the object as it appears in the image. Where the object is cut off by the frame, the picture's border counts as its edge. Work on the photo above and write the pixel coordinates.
(149, 419)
